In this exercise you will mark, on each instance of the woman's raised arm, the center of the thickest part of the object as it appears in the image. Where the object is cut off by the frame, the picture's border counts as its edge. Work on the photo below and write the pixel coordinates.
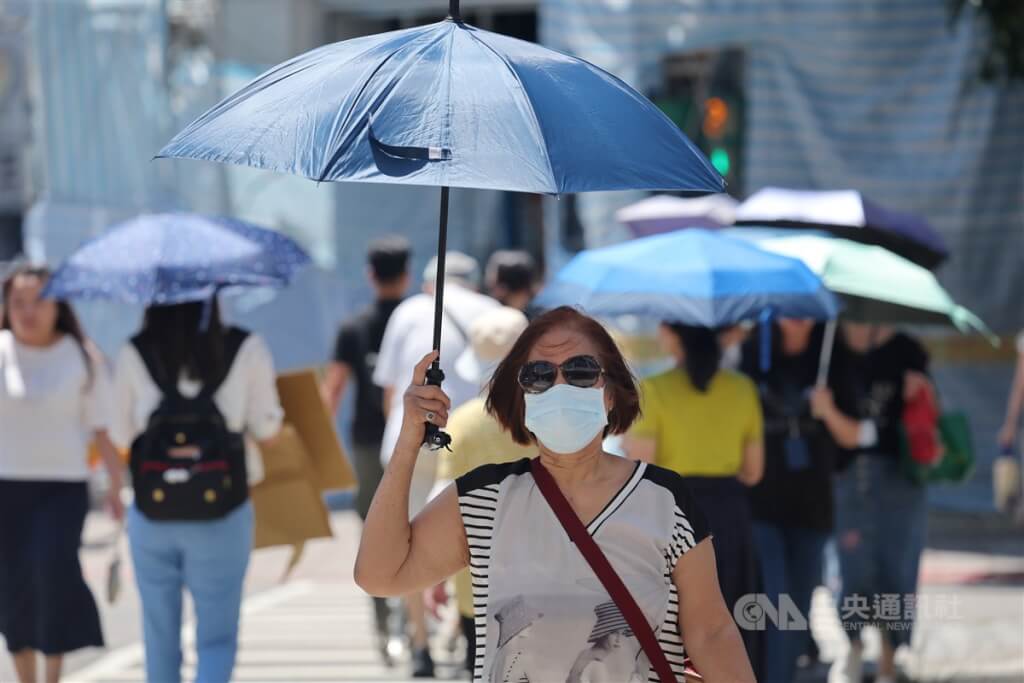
(396, 556)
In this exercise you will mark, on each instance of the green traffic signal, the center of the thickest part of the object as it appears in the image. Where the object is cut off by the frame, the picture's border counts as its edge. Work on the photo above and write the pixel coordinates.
(720, 160)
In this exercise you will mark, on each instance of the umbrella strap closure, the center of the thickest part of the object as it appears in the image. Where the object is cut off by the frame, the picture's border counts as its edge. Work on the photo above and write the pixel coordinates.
(408, 152)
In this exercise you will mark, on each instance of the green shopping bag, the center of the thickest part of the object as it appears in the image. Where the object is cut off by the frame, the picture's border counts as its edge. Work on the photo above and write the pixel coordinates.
(957, 463)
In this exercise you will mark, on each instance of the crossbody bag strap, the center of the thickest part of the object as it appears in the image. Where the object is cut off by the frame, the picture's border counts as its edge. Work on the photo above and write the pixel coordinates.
(603, 569)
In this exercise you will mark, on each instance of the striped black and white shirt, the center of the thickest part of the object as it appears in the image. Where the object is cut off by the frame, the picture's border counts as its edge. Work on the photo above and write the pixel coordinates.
(541, 613)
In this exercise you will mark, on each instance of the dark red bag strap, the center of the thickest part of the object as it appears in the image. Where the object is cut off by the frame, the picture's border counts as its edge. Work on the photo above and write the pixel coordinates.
(604, 570)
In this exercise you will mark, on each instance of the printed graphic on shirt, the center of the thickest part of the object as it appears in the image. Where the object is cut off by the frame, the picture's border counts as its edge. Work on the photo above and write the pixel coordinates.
(546, 616)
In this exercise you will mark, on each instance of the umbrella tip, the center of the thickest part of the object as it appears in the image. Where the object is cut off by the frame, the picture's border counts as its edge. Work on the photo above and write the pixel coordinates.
(453, 11)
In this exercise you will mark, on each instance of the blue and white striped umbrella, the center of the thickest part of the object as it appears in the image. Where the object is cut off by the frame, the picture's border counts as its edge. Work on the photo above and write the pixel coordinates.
(173, 258)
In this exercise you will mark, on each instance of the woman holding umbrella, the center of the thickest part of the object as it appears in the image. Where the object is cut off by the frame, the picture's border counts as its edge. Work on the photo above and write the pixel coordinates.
(792, 505)
(563, 386)
(54, 399)
(178, 354)
(191, 397)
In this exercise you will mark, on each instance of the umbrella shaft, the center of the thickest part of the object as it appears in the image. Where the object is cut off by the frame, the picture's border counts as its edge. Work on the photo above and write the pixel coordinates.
(453, 9)
(827, 346)
(442, 249)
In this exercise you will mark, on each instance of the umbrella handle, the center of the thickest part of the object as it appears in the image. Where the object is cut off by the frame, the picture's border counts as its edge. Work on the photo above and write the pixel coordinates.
(434, 437)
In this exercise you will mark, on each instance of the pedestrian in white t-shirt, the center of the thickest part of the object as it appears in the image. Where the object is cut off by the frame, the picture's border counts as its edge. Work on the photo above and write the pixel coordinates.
(54, 400)
(408, 336)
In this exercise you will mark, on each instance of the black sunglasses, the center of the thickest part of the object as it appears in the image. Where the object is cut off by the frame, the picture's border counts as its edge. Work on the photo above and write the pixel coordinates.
(538, 376)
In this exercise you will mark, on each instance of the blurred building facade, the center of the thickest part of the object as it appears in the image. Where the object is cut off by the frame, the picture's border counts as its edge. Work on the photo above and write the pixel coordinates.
(113, 80)
(869, 94)
(879, 96)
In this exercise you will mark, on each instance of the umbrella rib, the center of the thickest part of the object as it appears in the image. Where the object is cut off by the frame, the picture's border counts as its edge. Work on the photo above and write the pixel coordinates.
(355, 101)
(533, 112)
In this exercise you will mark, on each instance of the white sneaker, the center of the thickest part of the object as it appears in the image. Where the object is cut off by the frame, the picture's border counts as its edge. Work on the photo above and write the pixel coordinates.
(849, 668)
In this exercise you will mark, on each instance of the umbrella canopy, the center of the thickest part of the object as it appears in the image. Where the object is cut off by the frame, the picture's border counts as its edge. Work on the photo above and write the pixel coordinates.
(876, 284)
(847, 214)
(693, 276)
(665, 213)
(173, 258)
(449, 105)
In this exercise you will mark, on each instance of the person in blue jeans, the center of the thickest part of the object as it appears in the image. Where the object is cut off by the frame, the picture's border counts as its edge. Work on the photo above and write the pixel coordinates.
(881, 514)
(207, 558)
(792, 506)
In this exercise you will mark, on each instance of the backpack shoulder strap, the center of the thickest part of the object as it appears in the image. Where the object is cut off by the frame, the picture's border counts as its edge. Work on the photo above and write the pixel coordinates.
(234, 337)
(603, 569)
(154, 366)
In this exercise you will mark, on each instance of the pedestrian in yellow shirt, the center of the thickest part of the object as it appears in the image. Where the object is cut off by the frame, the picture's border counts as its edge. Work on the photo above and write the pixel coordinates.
(477, 438)
(706, 424)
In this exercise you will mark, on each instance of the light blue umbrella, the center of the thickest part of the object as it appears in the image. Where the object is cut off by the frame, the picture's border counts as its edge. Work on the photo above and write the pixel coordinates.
(692, 276)
(173, 258)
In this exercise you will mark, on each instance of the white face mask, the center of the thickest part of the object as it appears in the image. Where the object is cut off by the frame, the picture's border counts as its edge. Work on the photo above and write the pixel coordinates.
(566, 418)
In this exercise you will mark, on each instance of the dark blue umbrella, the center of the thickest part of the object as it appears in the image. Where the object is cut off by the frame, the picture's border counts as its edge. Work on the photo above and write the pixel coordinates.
(449, 105)
(694, 276)
(172, 258)
(847, 214)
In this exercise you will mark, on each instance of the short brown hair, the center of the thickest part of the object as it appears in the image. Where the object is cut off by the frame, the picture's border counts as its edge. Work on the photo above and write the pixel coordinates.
(505, 397)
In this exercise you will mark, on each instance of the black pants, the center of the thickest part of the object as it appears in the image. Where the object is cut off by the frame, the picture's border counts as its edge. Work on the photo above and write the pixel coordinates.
(725, 503)
(45, 604)
(469, 631)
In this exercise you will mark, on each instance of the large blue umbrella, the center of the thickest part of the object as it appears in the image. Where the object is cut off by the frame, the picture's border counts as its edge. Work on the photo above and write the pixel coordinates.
(694, 276)
(173, 258)
(449, 105)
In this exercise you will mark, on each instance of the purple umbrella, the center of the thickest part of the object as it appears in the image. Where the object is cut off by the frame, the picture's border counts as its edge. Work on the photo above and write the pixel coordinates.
(666, 213)
(847, 214)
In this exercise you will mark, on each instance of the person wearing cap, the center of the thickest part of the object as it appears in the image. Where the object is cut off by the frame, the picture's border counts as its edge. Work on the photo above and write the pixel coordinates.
(407, 337)
(477, 438)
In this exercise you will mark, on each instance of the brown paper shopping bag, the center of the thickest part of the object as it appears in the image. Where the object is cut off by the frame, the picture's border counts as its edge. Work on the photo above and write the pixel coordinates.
(288, 506)
(304, 409)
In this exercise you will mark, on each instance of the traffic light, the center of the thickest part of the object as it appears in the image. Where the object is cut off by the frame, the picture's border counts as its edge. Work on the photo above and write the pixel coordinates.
(721, 161)
(716, 117)
(716, 127)
(703, 94)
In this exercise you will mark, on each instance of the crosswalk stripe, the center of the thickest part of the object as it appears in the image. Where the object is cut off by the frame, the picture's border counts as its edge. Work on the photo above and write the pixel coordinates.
(300, 632)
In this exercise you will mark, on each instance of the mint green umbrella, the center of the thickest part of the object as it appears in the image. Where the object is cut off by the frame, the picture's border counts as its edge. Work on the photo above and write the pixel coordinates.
(876, 285)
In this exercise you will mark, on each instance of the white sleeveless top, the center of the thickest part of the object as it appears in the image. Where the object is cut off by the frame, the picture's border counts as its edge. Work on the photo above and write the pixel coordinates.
(541, 613)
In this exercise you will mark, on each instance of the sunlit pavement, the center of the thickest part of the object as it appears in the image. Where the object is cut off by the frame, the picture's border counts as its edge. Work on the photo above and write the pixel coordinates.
(317, 625)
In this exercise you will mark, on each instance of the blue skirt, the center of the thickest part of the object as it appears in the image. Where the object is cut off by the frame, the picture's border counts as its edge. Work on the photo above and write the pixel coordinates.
(45, 604)
(881, 523)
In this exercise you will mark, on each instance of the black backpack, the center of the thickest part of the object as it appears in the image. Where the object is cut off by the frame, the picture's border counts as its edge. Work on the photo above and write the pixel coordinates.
(187, 465)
